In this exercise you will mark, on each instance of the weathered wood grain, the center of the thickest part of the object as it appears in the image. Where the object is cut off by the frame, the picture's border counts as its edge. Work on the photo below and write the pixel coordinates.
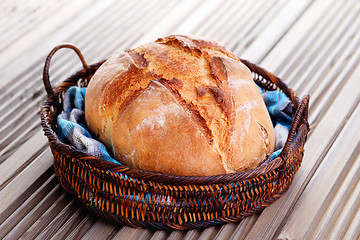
(343, 201)
(312, 45)
(318, 145)
(308, 212)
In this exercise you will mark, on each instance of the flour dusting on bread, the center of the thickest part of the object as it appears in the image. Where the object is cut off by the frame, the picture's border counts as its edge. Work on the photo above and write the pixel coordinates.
(180, 105)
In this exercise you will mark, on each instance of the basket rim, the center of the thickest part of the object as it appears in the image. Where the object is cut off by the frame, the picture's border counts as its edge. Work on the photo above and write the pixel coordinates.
(103, 166)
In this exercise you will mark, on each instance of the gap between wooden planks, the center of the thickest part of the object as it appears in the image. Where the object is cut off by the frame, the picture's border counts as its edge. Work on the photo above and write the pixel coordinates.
(42, 31)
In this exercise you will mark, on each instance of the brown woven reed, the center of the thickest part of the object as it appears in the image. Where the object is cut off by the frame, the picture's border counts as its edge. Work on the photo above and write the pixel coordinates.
(155, 200)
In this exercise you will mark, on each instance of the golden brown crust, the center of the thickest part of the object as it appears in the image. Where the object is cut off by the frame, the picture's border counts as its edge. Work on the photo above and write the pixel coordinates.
(222, 91)
(151, 139)
(177, 105)
(188, 107)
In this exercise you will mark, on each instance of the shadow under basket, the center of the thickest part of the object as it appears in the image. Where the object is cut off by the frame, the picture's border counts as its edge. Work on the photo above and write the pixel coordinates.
(155, 200)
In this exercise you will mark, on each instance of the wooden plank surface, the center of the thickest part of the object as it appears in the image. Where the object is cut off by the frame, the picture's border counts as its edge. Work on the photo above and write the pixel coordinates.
(313, 45)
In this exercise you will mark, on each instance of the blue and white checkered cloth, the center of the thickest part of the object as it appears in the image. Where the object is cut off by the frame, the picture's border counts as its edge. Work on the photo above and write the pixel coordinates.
(72, 126)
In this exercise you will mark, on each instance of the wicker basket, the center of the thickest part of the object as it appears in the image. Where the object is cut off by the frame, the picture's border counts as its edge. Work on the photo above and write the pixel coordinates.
(154, 200)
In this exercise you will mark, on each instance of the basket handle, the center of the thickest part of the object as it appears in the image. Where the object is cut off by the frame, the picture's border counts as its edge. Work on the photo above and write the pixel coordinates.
(300, 117)
(46, 78)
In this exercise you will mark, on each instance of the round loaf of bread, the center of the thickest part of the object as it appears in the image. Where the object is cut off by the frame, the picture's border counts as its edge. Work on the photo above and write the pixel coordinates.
(181, 106)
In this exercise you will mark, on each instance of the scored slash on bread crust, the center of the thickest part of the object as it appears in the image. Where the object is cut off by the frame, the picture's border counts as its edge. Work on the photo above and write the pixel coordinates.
(211, 86)
(189, 108)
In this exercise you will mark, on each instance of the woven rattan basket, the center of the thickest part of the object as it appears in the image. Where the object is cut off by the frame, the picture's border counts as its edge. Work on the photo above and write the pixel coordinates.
(155, 200)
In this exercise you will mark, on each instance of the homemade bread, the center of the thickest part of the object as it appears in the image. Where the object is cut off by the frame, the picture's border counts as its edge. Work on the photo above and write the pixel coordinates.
(181, 106)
